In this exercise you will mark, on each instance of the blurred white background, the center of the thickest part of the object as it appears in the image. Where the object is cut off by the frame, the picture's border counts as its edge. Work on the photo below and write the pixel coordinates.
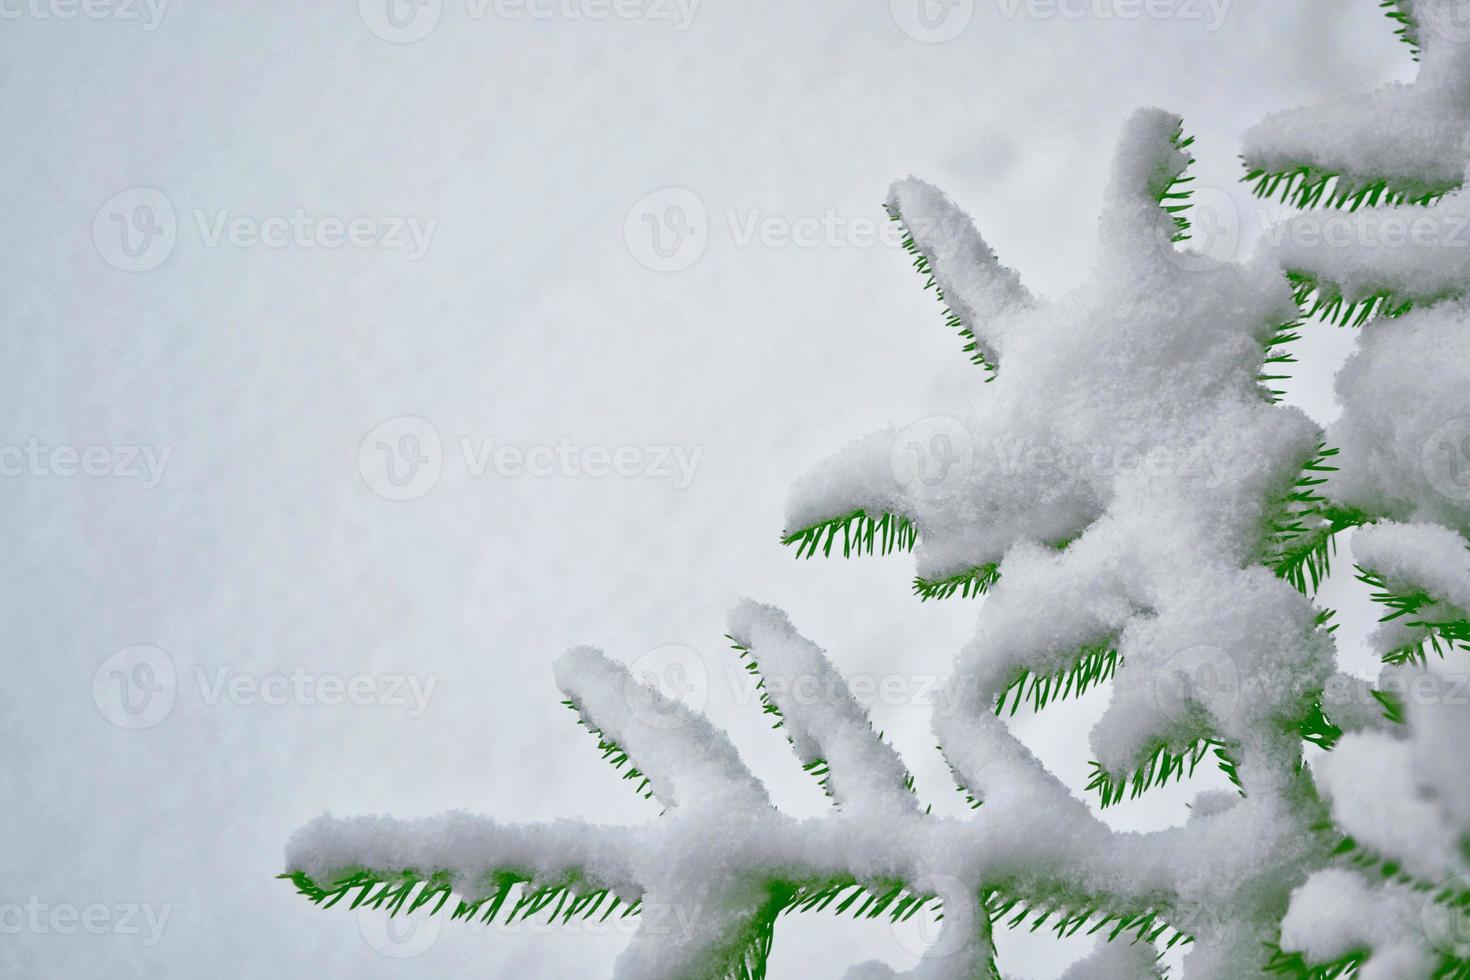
(240, 238)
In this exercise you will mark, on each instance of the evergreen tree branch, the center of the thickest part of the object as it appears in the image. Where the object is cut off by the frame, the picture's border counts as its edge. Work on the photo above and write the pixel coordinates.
(953, 320)
(1443, 633)
(1305, 187)
(862, 533)
(974, 581)
(1161, 766)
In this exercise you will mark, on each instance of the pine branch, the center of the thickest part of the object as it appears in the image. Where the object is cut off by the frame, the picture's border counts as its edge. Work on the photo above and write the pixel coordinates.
(869, 901)
(1325, 302)
(1172, 195)
(1276, 357)
(1394, 709)
(1297, 543)
(1161, 766)
(1318, 729)
(971, 582)
(1315, 726)
(1365, 859)
(1401, 12)
(861, 534)
(614, 754)
(952, 319)
(817, 768)
(1144, 925)
(749, 952)
(1307, 187)
(1440, 635)
(376, 891)
(1301, 536)
(751, 667)
(972, 798)
(1294, 966)
(1095, 665)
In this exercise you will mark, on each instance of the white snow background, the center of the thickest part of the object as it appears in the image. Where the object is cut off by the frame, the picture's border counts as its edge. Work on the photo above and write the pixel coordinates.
(264, 556)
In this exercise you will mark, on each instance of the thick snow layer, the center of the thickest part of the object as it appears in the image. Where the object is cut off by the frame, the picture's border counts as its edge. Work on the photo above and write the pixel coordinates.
(1378, 800)
(966, 272)
(820, 716)
(1408, 253)
(688, 761)
(1404, 433)
(1418, 556)
(1337, 913)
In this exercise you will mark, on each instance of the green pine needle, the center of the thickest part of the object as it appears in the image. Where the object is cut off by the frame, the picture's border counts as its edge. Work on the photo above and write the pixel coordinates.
(744, 957)
(1294, 966)
(1171, 194)
(1401, 12)
(1301, 534)
(1440, 634)
(1318, 729)
(974, 581)
(1324, 302)
(861, 533)
(614, 754)
(1065, 919)
(1393, 706)
(1308, 187)
(978, 355)
(1160, 767)
(1277, 356)
(1095, 665)
(409, 890)
(817, 768)
(972, 798)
